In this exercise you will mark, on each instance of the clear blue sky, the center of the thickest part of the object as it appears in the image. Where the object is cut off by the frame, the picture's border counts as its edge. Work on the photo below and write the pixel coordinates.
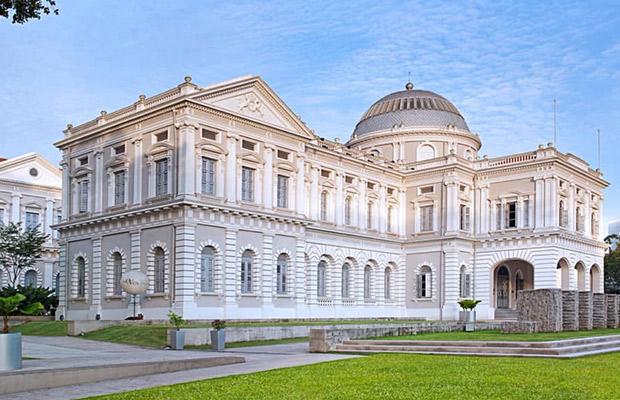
(501, 63)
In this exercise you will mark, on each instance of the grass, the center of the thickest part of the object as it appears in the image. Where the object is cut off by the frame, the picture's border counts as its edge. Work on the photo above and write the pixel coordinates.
(42, 328)
(412, 376)
(252, 343)
(496, 335)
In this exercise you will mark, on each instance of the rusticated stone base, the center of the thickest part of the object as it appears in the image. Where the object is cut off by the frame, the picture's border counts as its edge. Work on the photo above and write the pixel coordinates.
(570, 310)
(519, 327)
(543, 306)
(612, 310)
(599, 311)
(585, 311)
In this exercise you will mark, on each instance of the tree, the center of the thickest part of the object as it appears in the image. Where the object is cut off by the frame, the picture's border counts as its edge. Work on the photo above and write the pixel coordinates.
(23, 10)
(9, 305)
(19, 249)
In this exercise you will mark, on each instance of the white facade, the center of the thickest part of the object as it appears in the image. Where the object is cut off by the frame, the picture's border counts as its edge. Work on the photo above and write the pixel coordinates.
(30, 192)
(235, 209)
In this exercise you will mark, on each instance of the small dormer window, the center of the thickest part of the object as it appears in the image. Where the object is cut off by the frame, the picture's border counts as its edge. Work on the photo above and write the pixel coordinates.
(326, 174)
(209, 135)
(370, 186)
(246, 144)
(161, 137)
(463, 188)
(390, 191)
(562, 184)
(118, 150)
(83, 160)
(348, 179)
(283, 154)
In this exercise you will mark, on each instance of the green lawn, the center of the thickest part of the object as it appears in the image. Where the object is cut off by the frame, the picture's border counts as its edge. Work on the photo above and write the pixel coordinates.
(412, 376)
(43, 328)
(496, 335)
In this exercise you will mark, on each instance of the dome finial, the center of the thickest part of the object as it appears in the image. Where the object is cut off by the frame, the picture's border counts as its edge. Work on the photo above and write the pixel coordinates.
(409, 85)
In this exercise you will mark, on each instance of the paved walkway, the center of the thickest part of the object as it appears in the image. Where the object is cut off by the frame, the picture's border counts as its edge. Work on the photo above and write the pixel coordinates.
(67, 351)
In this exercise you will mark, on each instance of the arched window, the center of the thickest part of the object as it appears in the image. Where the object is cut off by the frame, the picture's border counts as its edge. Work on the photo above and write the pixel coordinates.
(424, 282)
(246, 271)
(347, 211)
(159, 270)
(117, 264)
(30, 278)
(387, 283)
(367, 276)
(320, 279)
(595, 279)
(81, 277)
(563, 215)
(346, 280)
(580, 219)
(281, 273)
(207, 260)
(464, 283)
(323, 215)
(425, 152)
(370, 215)
(593, 224)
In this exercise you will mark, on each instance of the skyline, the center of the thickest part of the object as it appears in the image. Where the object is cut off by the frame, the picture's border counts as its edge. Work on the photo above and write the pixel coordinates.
(500, 64)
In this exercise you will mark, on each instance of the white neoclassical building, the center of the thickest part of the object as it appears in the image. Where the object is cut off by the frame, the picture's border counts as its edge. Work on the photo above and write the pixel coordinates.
(234, 208)
(30, 192)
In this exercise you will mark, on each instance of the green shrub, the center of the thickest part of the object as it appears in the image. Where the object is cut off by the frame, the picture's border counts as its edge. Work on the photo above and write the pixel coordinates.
(33, 294)
(175, 319)
(218, 324)
(469, 304)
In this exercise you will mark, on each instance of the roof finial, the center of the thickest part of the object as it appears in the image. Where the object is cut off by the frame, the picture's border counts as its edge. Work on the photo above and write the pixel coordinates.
(409, 85)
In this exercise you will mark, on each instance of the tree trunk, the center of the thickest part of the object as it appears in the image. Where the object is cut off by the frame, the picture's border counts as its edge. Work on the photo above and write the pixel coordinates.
(6, 324)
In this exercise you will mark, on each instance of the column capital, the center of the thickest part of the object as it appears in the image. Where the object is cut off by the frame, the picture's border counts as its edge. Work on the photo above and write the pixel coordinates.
(136, 141)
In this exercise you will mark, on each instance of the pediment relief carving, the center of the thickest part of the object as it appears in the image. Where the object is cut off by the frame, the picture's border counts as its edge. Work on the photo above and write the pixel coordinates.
(81, 171)
(251, 157)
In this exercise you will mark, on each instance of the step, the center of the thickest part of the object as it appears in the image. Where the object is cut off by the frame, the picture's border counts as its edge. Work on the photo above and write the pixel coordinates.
(448, 349)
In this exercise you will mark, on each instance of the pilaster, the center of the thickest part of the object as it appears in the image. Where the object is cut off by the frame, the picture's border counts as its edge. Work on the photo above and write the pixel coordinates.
(268, 187)
(231, 169)
(187, 158)
(99, 178)
(301, 186)
(95, 307)
(339, 198)
(16, 207)
(184, 270)
(137, 170)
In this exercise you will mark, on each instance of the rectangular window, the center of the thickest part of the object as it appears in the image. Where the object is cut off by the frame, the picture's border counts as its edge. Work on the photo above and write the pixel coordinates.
(83, 160)
(83, 197)
(208, 176)
(370, 186)
(32, 220)
(426, 218)
(1, 216)
(161, 177)
(119, 150)
(246, 144)
(464, 214)
(511, 214)
(282, 191)
(283, 154)
(119, 187)
(427, 190)
(390, 191)
(526, 213)
(325, 173)
(348, 179)
(161, 137)
(281, 277)
(247, 184)
(209, 135)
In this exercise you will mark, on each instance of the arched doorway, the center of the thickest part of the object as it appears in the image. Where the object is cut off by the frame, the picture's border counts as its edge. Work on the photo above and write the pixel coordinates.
(595, 279)
(563, 274)
(581, 276)
(503, 287)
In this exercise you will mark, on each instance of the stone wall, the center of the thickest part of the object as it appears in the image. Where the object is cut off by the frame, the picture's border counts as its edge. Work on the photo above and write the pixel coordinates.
(599, 311)
(612, 310)
(570, 310)
(519, 327)
(585, 311)
(324, 339)
(543, 306)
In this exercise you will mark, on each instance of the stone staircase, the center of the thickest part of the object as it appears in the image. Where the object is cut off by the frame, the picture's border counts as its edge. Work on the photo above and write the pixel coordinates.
(569, 348)
(505, 314)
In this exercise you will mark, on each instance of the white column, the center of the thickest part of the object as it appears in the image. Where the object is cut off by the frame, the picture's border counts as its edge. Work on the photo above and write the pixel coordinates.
(62, 267)
(15, 208)
(300, 272)
(339, 198)
(402, 212)
(551, 217)
(266, 289)
(268, 187)
(231, 170)
(382, 210)
(452, 205)
(416, 218)
(66, 188)
(520, 213)
(539, 207)
(362, 207)
(96, 281)
(588, 214)
(137, 170)
(187, 159)
(49, 219)
(600, 235)
(572, 220)
(314, 195)
(99, 179)
(134, 264)
(184, 269)
(230, 268)
(301, 186)
(484, 210)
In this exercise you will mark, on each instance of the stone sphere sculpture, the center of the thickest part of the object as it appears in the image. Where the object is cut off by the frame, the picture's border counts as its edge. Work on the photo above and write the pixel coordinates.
(134, 282)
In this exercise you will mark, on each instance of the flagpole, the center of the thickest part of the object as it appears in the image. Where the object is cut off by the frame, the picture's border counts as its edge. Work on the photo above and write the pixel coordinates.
(599, 149)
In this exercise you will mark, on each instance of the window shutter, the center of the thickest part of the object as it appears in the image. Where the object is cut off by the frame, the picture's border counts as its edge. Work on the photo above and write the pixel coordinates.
(466, 218)
(418, 286)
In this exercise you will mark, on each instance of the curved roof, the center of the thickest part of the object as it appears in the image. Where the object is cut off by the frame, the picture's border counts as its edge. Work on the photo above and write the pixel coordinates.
(410, 108)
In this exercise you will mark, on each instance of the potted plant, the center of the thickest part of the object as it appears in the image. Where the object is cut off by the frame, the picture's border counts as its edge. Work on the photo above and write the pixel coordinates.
(11, 343)
(218, 335)
(177, 336)
(468, 315)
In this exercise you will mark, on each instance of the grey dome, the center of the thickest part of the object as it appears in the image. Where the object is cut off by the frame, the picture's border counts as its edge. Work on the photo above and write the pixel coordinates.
(410, 108)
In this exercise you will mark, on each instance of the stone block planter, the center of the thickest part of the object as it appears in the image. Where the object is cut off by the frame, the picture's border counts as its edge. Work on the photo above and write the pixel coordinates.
(10, 351)
(177, 339)
(218, 339)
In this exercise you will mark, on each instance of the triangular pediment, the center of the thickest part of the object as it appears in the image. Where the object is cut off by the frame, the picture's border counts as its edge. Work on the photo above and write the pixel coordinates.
(32, 169)
(253, 99)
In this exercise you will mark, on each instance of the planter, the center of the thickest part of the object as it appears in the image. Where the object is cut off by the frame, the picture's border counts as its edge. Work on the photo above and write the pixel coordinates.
(468, 317)
(10, 351)
(218, 339)
(177, 339)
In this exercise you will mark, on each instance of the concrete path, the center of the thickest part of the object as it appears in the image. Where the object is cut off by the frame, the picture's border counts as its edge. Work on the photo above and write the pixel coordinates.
(67, 351)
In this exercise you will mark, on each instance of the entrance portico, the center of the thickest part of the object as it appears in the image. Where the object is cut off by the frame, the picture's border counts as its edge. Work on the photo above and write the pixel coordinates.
(509, 277)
